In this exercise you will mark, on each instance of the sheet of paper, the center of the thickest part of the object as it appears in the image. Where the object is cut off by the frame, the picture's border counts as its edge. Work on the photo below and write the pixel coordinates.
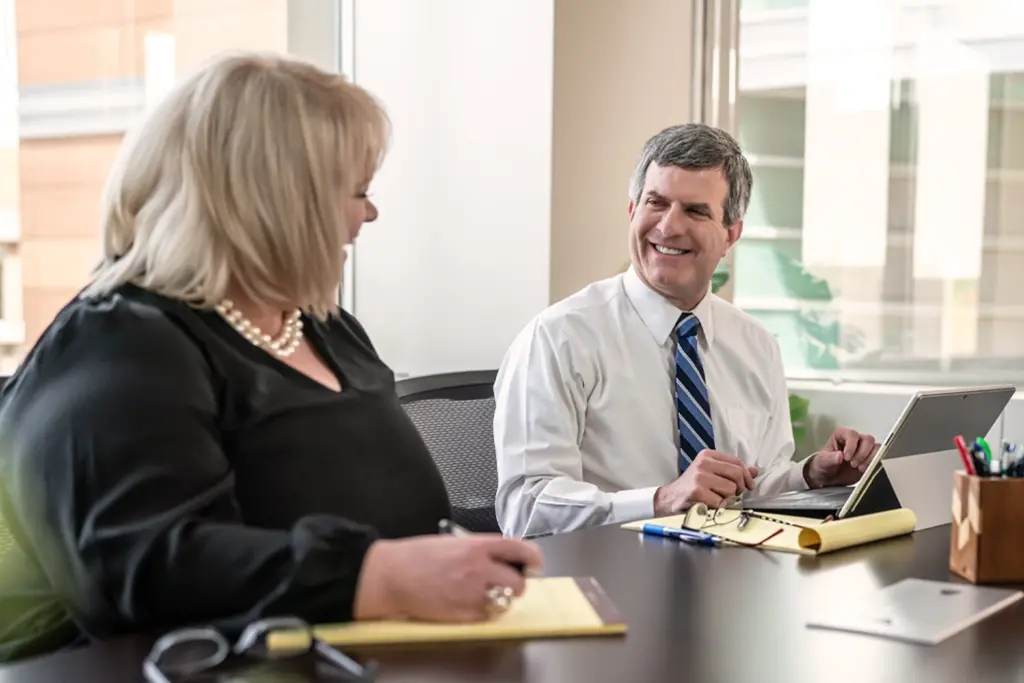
(916, 610)
(847, 533)
(550, 607)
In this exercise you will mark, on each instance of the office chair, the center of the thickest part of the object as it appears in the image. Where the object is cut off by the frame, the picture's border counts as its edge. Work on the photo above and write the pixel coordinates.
(454, 414)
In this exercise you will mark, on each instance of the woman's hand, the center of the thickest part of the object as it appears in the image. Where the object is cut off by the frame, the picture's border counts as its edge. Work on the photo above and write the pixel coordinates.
(440, 578)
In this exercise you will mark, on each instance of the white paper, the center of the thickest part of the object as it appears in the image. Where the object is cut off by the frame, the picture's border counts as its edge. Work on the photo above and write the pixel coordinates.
(917, 611)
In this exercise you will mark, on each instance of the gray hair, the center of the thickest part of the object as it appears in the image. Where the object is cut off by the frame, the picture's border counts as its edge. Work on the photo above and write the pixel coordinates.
(698, 146)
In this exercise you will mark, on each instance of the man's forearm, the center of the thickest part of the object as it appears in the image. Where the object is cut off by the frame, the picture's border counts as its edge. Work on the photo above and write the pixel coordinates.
(559, 505)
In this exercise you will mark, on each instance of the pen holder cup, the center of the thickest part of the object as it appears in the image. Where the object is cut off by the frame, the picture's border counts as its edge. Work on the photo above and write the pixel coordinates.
(986, 543)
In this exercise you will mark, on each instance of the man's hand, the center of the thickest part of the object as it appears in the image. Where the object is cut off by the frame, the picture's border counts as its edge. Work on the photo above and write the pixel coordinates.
(842, 461)
(710, 478)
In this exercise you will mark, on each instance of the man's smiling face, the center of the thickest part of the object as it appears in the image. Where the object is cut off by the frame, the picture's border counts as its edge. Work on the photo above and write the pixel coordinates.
(676, 231)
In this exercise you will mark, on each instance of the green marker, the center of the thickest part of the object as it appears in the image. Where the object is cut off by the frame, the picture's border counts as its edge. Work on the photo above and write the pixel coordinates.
(993, 467)
(984, 448)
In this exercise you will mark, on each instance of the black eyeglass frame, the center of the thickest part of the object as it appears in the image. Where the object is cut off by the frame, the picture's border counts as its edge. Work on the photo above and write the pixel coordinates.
(245, 646)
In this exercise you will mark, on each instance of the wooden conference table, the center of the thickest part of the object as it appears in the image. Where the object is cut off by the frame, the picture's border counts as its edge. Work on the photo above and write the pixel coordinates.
(701, 615)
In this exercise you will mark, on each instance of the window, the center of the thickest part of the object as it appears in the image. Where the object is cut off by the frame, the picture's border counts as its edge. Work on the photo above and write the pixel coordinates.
(74, 75)
(884, 240)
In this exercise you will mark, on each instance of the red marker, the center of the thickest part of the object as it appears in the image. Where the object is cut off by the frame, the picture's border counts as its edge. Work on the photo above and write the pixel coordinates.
(961, 446)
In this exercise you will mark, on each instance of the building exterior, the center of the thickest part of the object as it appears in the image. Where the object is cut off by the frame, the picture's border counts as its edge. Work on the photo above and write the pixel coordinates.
(73, 76)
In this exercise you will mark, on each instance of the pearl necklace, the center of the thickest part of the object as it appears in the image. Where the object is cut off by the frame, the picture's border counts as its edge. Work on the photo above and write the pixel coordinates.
(282, 346)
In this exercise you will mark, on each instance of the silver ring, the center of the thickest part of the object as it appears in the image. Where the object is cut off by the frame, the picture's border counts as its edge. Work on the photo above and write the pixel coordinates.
(499, 598)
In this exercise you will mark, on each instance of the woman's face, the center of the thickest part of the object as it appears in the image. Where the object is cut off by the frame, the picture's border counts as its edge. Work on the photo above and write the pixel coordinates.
(358, 210)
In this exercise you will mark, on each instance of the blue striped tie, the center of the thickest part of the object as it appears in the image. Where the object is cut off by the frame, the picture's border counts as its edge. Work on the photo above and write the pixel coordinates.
(693, 409)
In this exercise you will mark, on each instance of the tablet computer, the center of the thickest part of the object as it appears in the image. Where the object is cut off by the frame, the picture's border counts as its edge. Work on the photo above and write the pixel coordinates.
(927, 424)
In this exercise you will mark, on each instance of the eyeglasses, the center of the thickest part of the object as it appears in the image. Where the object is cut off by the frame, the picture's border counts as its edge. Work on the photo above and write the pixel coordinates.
(187, 652)
(731, 512)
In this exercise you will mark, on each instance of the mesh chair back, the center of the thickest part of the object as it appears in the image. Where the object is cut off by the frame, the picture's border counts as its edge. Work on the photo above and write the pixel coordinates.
(454, 414)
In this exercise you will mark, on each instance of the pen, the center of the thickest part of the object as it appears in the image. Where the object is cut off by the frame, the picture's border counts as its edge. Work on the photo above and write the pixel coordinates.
(684, 535)
(1007, 459)
(978, 458)
(1013, 465)
(962, 447)
(450, 528)
(993, 465)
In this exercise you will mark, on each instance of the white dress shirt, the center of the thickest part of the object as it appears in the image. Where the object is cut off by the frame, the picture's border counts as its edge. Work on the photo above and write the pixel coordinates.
(585, 425)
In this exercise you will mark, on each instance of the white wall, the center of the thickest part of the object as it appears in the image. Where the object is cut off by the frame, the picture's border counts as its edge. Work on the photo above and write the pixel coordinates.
(458, 261)
(516, 128)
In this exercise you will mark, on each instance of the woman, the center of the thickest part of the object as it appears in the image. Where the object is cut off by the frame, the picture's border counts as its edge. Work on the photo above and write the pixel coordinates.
(202, 435)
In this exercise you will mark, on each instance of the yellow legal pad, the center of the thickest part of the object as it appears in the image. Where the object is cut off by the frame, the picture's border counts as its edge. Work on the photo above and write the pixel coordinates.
(550, 607)
(802, 535)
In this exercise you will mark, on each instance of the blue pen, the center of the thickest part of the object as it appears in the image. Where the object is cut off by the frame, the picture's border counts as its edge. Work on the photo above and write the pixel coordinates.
(684, 535)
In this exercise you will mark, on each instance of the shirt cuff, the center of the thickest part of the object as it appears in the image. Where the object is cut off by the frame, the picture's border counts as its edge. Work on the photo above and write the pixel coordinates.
(796, 481)
(633, 505)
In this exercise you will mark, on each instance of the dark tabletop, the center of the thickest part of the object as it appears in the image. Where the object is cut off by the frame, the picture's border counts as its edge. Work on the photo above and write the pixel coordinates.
(726, 615)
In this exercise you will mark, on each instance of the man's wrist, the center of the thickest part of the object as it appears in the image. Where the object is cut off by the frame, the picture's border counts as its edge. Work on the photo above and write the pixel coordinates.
(667, 501)
(807, 473)
(660, 506)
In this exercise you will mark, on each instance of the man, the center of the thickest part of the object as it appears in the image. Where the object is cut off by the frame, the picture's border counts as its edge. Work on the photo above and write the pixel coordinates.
(644, 393)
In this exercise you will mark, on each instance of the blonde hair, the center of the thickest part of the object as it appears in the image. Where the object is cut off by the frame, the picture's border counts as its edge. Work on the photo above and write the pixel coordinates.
(239, 177)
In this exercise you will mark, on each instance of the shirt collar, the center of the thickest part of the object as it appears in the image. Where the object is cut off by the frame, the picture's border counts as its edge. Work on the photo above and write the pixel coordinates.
(659, 315)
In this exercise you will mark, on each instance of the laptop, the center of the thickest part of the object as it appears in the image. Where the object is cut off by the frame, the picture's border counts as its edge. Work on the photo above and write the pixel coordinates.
(925, 428)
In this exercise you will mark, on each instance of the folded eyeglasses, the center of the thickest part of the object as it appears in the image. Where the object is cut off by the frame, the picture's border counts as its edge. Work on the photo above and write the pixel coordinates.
(188, 652)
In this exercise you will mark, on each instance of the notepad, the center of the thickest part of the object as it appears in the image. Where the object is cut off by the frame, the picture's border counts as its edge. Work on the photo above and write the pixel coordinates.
(801, 535)
(550, 607)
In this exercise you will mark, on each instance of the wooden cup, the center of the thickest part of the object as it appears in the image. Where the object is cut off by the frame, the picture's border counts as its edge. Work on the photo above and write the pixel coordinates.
(986, 542)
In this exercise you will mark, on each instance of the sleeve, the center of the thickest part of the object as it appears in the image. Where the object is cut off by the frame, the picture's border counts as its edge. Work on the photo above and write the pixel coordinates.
(779, 472)
(118, 477)
(540, 412)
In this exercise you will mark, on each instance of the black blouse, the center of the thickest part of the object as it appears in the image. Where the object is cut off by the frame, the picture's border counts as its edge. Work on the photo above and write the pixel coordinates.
(161, 470)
